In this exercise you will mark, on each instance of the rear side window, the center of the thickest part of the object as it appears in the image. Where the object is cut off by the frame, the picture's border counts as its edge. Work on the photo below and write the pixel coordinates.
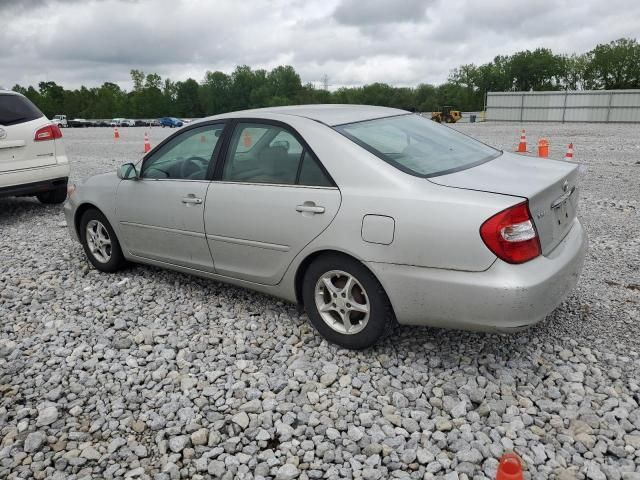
(16, 109)
(311, 174)
(261, 153)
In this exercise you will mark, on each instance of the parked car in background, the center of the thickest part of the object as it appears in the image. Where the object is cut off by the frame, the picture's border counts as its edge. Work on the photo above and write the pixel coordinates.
(101, 123)
(171, 122)
(80, 123)
(154, 123)
(32, 155)
(60, 120)
(363, 215)
(115, 122)
(125, 122)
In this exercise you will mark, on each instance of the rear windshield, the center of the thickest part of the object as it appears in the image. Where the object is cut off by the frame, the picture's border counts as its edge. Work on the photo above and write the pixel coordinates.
(418, 146)
(16, 109)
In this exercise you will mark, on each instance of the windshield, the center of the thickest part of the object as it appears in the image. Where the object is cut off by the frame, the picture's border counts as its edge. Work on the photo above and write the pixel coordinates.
(418, 146)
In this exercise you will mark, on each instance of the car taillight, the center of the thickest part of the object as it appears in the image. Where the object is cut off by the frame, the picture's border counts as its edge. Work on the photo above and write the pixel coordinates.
(48, 132)
(511, 234)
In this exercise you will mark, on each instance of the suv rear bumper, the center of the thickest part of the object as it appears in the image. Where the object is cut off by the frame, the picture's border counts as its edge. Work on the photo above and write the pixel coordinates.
(34, 187)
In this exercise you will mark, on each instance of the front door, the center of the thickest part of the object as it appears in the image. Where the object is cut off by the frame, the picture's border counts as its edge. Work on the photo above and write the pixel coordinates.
(272, 198)
(160, 215)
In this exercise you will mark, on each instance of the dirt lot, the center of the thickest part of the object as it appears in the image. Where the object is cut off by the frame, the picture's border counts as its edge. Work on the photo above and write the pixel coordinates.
(154, 374)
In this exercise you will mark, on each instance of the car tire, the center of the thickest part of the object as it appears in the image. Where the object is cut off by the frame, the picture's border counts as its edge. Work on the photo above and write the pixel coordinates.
(53, 197)
(353, 287)
(102, 248)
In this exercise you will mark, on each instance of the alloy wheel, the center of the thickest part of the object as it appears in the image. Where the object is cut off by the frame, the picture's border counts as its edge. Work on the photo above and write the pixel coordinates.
(98, 241)
(342, 302)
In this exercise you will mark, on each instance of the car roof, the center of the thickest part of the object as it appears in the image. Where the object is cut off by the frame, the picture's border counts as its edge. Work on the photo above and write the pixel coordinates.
(9, 92)
(329, 114)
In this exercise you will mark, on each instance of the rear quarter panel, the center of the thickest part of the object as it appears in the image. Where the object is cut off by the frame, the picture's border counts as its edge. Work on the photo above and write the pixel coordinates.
(435, 226)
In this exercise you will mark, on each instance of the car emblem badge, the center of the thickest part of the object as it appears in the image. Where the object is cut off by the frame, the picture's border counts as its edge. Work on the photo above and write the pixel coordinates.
(3, 133)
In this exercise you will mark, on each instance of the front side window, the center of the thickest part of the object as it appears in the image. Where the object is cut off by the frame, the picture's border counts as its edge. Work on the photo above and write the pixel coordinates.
(417, 145)
(186, 157)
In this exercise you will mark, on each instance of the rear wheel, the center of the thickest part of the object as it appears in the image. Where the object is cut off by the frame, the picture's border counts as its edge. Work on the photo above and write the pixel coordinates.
(345, 302)
(100, 243)
(56, 196)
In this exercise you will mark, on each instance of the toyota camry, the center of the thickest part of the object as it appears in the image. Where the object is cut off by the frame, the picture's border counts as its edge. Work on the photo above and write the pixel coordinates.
(364, 216)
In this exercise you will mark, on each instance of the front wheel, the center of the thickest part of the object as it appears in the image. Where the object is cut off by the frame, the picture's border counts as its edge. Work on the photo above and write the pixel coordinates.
(345, 302)
(100, 243)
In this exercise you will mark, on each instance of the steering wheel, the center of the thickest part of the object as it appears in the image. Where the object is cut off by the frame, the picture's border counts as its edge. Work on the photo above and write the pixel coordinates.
(191, 166)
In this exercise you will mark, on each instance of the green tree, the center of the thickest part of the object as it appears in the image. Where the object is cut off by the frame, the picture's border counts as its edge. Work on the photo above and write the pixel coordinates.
(215, 92)
(188, 99)
(537, 70)
(615, 65)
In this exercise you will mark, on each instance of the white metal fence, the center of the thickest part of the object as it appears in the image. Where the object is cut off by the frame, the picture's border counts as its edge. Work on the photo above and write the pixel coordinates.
(565, 106)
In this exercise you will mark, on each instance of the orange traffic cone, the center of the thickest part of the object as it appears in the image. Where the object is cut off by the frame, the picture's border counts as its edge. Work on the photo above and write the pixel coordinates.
(522, 146)
(569, 154)
(510, 467)
(147, 145)
(543, 148)
(246, 139)
(116, 133)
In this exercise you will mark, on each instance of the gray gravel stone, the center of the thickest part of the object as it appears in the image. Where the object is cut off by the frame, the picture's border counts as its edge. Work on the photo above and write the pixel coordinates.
(287, 472)
(34, 441)
(46, 416)
(178, 443)
(148, 373)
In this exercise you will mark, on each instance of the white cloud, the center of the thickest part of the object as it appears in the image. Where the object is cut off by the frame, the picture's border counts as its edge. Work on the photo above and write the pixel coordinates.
(403, 42)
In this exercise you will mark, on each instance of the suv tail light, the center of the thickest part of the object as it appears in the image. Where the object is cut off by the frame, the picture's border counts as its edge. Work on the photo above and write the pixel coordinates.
(48, 132)
(511, 234)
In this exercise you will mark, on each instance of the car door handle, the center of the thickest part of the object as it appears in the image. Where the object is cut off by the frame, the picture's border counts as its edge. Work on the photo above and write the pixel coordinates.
(310, 207)
(191, 199)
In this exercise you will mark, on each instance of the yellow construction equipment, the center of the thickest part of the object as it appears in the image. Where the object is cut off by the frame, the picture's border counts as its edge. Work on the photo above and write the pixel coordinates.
(446, 115)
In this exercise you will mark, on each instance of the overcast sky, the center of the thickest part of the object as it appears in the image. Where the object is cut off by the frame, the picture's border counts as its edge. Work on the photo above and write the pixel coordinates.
(353, 42)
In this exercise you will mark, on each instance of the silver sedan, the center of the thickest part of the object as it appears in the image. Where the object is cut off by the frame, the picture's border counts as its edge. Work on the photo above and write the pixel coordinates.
(366, 216)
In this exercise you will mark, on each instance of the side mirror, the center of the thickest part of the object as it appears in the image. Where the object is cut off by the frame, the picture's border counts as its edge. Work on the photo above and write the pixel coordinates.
(127, 172)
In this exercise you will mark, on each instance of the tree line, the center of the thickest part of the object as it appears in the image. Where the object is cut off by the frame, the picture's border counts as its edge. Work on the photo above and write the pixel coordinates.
(615, 65)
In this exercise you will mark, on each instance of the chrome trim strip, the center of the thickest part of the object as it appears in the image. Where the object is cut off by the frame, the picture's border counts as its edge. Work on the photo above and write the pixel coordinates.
(264, 184)
(12, 143)
(29, 169)
(250, 243)
(165, 229)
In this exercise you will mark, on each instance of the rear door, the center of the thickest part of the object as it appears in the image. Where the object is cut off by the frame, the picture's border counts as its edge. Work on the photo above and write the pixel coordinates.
(19, 120)
(271, 198)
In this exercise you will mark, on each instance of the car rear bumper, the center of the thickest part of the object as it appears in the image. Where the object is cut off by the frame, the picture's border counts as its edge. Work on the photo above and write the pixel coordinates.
(30, 186)
(503, 297)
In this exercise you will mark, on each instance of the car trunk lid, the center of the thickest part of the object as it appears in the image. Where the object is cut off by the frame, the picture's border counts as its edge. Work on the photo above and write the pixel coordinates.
(550, 187)
(19, 151)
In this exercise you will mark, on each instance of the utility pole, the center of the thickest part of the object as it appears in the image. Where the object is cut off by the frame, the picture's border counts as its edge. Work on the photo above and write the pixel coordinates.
(325, 82)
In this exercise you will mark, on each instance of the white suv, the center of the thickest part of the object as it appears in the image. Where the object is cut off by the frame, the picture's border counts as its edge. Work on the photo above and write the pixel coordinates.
(32, 156)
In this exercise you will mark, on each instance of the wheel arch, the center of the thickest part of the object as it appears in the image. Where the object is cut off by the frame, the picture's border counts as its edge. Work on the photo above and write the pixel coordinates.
(80, 211)
(304, 265)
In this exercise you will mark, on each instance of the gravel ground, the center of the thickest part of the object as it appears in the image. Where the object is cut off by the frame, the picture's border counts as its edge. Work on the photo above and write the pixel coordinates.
(154, 374)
